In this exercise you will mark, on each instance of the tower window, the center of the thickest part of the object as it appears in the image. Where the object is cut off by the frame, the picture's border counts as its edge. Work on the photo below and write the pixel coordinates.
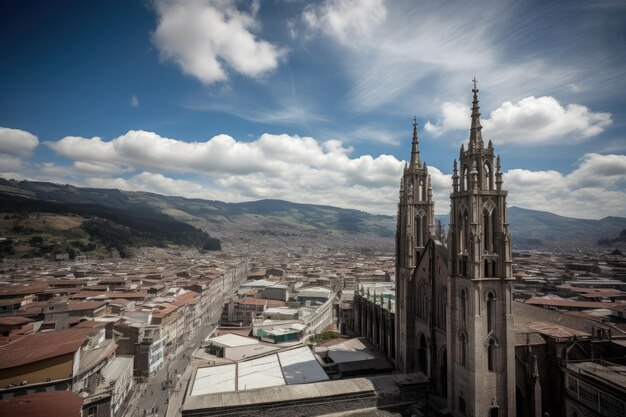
(487, 231)
(491, 356)
(487, 183)
(465, 179)
(491, 311)
(442, 305)
(463, 308)
(419, 230)
(463, 352)
(420, 191)
(422, 301)
(462, 405)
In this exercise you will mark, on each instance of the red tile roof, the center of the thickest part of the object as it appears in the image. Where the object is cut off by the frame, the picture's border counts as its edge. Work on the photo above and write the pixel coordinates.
(14, 320)
(43, 404)
(9, 290)
(40, 346)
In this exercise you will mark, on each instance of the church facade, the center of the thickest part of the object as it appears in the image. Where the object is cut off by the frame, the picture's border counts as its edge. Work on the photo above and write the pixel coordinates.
(453, 315)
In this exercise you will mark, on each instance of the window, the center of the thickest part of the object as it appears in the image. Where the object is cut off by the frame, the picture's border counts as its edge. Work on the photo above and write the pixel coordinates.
(491, 311)
(494, 412)
(487, 233)
(463, 352)
(420, 191)
(463, 307)
(487, 185)
(419, 231)
(422, 300)
(491, 356)
(442, 306)
(464, 179)
(461, 405)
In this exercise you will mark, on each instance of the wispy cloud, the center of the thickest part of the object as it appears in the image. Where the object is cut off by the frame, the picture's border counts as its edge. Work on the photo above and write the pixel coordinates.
(415, 53)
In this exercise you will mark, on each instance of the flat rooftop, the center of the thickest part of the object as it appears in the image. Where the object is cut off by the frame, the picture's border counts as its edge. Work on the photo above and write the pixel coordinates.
(289, 367)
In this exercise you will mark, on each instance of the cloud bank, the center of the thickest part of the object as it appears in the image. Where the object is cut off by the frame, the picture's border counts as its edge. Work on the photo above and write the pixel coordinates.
(305, 170)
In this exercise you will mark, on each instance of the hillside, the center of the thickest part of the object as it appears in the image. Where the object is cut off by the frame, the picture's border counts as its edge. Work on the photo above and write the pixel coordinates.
(279, 220)
(36, 227)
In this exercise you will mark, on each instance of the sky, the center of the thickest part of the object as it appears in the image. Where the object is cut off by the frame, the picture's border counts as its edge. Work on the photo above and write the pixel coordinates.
(313, 102)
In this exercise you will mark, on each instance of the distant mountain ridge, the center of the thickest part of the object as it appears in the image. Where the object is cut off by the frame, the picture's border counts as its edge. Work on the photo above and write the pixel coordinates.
(530, 228)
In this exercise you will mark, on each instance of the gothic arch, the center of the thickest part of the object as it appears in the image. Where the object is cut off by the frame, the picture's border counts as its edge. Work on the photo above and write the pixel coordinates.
(422, 300)
(489, 205)
(463, 351)
(490, 300)
(487, 176)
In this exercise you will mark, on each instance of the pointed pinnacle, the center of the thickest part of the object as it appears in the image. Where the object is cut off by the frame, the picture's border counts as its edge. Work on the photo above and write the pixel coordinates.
(415, 151)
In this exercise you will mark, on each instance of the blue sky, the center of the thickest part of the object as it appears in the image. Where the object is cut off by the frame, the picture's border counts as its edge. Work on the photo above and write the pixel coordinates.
(312, 101)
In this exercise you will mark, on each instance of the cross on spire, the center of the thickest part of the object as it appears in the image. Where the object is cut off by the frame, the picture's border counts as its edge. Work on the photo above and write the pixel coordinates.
(475, 81)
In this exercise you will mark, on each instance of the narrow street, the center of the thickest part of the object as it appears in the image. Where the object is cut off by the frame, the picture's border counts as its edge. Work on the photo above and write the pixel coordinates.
(151, 399)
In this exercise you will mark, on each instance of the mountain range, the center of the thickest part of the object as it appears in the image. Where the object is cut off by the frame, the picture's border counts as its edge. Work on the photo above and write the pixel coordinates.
(281, 219)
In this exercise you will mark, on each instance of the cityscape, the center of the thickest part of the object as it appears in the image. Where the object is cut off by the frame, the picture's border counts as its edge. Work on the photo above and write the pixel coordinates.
(393, 216)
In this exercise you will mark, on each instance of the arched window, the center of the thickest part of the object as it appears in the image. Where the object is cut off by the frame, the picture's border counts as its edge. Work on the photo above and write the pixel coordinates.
(494, 232)
(442, 307)
(463, 307)
(463, 350)
(463, 237)
(491, 311)
(462, 405)
(422, 355)
(419, 234)
(420, 191)
(487, 184)
(487, 231)
(491, 356)
(494, 412)
(422, 297)
(465, 179)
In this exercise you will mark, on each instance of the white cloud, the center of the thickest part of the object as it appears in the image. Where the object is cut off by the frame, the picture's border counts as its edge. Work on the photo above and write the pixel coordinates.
(272, 166)
(453, 116)
(596, 188)
(530, 121)
(345, 20)
(207, 38)
(535, 120)
(17, 142)
(134, 101)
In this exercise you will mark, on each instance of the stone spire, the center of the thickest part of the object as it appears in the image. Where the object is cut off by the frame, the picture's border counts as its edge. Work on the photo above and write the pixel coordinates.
(415, 150)
(476, 136)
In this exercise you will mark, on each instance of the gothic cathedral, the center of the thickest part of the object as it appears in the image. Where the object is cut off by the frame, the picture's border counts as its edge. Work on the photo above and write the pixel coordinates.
(454, 319)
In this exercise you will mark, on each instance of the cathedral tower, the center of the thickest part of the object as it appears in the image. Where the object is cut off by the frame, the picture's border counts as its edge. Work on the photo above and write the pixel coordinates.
(481, 371)
(414, 227)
